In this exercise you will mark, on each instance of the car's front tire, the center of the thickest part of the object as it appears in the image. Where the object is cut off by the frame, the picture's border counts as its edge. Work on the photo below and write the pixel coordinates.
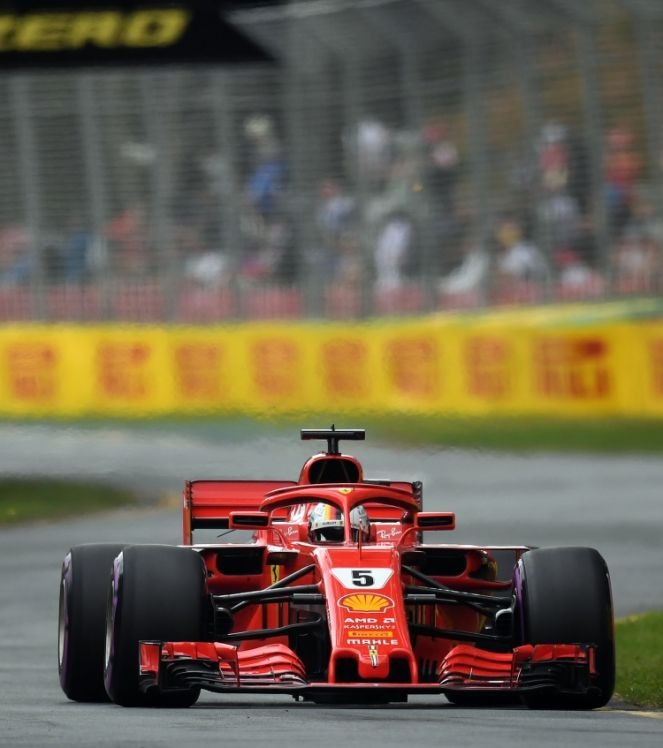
(563, 596)
(82, 620)
(157, 593)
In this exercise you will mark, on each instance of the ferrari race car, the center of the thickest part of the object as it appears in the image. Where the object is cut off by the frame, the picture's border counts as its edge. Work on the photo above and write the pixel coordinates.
(337, 597)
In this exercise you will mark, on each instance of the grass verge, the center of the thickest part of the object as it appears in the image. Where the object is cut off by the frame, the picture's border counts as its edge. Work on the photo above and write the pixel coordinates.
(502, 433)
(639, 641)
(27, 500)
(593, 435)
(527, 434)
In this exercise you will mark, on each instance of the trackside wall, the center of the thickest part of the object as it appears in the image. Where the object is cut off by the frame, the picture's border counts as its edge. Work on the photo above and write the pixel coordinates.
(548, 361)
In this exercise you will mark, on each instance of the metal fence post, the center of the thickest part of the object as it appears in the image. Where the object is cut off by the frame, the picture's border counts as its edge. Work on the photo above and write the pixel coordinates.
(94, 171)
(29, 186)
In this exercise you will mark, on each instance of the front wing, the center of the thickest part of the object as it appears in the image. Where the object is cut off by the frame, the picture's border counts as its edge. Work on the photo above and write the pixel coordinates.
(220, 667)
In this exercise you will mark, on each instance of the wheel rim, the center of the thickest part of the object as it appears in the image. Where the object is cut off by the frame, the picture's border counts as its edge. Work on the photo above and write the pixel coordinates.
(111, 614)
(62, 626)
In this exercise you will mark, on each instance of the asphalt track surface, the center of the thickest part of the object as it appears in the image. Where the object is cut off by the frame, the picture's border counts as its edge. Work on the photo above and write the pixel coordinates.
(614, 504)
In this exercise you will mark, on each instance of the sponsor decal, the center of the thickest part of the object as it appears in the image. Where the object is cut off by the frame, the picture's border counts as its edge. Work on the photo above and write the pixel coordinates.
(339, 378)
(276, 366)
(33, 371)
(366, 603)
(123, 369)
(373, 654)
(488, 364)
(275, 573)
(372, 624)
(374, 642)
(199, 371)
(394, 532)
(345, 491)
(365, 578)
(105, 29)
(358, 633)
(656, 351)
(413, 366)
(575, 369)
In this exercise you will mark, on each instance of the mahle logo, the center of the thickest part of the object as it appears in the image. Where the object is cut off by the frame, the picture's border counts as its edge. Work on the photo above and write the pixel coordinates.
(108, 29)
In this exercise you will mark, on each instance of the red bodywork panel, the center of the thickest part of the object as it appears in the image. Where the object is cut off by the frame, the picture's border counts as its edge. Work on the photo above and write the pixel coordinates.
(277, 668)
(208, 503)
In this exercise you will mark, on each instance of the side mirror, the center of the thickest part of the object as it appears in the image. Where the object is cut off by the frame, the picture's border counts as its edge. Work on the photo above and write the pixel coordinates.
(248, 520)
(436, 521)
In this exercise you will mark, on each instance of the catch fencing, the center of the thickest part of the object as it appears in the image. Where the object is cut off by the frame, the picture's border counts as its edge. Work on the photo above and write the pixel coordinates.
(405, 156)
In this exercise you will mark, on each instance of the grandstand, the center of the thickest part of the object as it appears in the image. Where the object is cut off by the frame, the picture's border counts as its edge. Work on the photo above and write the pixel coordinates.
(402, 157)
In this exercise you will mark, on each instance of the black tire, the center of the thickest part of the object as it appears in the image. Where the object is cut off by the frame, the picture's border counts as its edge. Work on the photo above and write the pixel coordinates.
(159, 593)
(82, 620)
(563, 596)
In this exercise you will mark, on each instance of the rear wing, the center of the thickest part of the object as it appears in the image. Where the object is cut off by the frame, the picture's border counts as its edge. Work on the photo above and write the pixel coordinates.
(208, 503)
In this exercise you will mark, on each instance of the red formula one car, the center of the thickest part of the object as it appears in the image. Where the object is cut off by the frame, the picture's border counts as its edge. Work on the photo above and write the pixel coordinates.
(337, 598)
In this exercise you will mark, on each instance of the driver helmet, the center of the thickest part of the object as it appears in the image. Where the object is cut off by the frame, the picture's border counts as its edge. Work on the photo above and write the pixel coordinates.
(325, 524)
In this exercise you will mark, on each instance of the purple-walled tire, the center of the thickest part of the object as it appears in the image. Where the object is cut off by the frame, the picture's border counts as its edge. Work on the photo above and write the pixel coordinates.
(563, 596)
(156, 593)
(82, 620)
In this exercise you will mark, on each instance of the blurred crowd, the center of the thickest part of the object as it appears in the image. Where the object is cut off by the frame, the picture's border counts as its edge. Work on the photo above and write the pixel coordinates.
(398, 216)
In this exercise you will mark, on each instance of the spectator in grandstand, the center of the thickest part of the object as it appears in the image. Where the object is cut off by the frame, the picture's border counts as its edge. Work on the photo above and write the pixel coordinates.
(266, 183)
(270, 256)
(559, 218)
(621, 170)
(128, 242)
(464, 285)
(369, 146)
(576, 279)
(563, 187)
(347, 266)
(202, 266)
(392, 250)
(15, 262)
(81, 254)
(336, 209)
(521, 270)
(638, 262)
(440, 174)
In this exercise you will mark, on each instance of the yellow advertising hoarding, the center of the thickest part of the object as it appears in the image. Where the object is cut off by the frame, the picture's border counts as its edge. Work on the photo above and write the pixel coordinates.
(448, 364)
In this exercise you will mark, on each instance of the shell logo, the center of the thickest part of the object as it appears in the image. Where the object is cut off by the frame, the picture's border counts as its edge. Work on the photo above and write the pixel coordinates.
(365, 603)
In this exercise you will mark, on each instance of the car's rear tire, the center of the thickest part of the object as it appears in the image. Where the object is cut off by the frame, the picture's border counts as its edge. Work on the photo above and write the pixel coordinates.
(158, 593)
(82, 620)
(563, 596)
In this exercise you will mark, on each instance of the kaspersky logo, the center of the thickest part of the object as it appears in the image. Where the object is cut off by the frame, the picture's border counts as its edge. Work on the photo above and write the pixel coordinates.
(366, 602)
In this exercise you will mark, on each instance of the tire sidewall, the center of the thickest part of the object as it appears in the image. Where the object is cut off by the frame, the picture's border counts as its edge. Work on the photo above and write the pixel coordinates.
(563, 596)
(81, 620)
(156, 593)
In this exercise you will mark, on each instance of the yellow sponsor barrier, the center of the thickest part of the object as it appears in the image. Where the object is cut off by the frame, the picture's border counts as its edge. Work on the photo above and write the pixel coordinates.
(509, 364)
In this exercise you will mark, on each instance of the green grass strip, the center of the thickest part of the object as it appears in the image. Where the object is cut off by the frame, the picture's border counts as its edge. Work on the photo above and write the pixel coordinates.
(527, 434)
(639, 641)
(592, 435)
(26, 500)
(502, 433)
